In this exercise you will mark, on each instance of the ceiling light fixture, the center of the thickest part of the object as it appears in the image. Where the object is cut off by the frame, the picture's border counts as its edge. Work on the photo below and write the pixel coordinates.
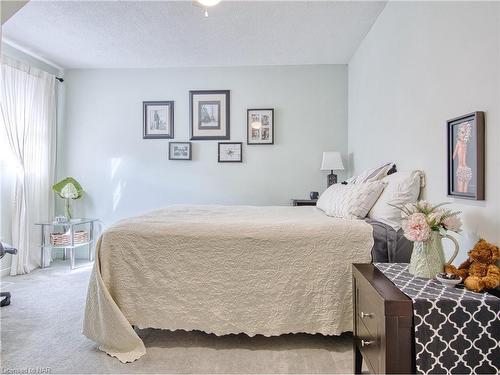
(207, 4)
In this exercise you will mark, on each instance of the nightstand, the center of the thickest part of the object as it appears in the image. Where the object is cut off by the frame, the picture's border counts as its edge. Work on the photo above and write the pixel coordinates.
(304, 202)
(68, 235)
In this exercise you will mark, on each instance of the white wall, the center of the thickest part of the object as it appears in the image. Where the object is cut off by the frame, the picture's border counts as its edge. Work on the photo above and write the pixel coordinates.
(421, 64)
(123, 174)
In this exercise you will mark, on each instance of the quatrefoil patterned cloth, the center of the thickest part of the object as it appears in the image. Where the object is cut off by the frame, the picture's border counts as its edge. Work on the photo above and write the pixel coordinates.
(456, 331)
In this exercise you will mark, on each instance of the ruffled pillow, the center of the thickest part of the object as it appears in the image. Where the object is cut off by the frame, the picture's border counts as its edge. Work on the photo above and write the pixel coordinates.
(352, 201)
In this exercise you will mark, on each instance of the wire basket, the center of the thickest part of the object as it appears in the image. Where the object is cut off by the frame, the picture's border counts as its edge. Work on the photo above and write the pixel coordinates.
(64, 239)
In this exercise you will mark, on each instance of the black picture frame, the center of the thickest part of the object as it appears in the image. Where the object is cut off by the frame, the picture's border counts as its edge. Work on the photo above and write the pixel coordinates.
(171, 144)
(170, 125)
(470, 152)
(260, 130)
(240, 160)
(195, 129)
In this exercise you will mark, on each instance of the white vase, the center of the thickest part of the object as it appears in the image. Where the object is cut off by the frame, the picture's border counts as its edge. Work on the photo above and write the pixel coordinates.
(427, 258)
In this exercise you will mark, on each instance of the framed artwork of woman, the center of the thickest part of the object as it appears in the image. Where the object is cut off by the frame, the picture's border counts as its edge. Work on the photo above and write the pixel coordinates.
(466, 156)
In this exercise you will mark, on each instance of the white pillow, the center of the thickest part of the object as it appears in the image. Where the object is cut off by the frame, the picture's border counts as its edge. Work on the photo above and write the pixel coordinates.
(350, 201)
(370, 175)
(402, 188)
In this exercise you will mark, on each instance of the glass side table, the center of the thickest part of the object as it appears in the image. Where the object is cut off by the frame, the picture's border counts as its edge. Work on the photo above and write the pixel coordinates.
(68, 235)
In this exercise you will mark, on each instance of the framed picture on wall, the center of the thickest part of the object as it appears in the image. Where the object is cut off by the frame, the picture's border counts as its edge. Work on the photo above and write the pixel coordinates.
(466, 156)
(209, 114)
(230, 152)
(179, 151)
(260, 126)
(158, 120)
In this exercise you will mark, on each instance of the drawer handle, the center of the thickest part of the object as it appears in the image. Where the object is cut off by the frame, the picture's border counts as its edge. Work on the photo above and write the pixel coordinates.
(366, 343)
(366, 315)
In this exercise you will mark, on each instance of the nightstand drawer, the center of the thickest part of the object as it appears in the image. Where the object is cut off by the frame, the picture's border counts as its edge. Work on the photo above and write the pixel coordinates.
(369, 347)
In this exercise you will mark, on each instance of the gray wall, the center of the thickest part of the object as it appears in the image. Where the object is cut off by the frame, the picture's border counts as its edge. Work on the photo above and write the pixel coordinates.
(123, 174)
(421, 64)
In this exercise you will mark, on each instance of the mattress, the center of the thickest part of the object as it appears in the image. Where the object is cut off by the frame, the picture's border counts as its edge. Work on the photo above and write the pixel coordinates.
(223, 270)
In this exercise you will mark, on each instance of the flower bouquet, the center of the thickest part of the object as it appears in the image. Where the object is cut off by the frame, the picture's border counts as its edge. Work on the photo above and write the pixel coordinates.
(68, 189)
(426, 225)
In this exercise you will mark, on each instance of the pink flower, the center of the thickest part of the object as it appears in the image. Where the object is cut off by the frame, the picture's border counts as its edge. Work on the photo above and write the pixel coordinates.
(416, 228)
(453, 223)
(435, 217)
(424, 205)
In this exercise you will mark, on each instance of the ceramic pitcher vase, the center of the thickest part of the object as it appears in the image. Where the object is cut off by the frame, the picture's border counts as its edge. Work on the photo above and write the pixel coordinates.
(427, 258)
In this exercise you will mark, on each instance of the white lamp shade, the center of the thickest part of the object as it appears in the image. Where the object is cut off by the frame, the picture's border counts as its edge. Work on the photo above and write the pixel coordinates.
(332, 161)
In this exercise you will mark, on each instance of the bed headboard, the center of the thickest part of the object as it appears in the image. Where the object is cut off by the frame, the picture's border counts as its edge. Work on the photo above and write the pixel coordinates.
(392, 170)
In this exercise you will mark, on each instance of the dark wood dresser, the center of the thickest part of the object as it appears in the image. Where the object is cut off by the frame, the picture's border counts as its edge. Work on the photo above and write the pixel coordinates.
(383, 318)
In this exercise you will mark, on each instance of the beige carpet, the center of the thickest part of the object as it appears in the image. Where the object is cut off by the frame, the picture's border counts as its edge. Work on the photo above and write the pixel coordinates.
(41, 330)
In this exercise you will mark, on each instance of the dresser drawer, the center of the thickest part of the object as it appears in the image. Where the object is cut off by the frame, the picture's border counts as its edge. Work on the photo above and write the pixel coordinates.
(369, 308)
(369, 346)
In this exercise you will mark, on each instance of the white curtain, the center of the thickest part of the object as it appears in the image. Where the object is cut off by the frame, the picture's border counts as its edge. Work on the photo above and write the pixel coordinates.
(28, 121)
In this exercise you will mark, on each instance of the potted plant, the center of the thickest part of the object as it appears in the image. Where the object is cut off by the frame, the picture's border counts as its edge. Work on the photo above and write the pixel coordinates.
(68, 189)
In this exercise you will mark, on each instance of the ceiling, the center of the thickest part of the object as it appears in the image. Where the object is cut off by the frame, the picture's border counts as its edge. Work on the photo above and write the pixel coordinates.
(139, 34)
(9, 8)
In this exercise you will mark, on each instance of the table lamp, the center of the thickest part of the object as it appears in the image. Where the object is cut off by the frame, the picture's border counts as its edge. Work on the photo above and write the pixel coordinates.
(332, 161)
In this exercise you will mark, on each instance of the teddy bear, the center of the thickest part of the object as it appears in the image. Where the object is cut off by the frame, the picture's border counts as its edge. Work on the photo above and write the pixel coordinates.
(479, 271)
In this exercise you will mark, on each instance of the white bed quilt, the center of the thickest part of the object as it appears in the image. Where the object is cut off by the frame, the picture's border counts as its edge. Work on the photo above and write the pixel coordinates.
(222, 270)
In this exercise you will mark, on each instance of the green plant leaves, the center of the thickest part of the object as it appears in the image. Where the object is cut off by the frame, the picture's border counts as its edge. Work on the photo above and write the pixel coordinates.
(68, 180)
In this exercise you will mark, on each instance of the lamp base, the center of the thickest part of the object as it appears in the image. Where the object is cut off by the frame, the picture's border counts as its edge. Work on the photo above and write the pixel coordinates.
(332, 179)
(6, 299)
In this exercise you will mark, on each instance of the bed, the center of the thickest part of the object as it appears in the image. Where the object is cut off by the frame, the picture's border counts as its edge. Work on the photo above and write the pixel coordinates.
(224, 270)
(389, 245)
(245, 269)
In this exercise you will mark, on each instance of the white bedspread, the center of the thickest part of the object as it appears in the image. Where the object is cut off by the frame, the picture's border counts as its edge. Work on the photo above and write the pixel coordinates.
(222, 270)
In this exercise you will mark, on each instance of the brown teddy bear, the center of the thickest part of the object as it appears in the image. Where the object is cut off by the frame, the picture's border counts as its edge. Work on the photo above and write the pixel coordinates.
(479, 272)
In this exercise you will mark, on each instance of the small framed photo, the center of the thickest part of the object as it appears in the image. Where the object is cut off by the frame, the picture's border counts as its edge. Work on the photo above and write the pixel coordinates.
(466, 156)
(209, 114)
(158, 120)
(179, 151)
(260, 126)
(230, 152)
